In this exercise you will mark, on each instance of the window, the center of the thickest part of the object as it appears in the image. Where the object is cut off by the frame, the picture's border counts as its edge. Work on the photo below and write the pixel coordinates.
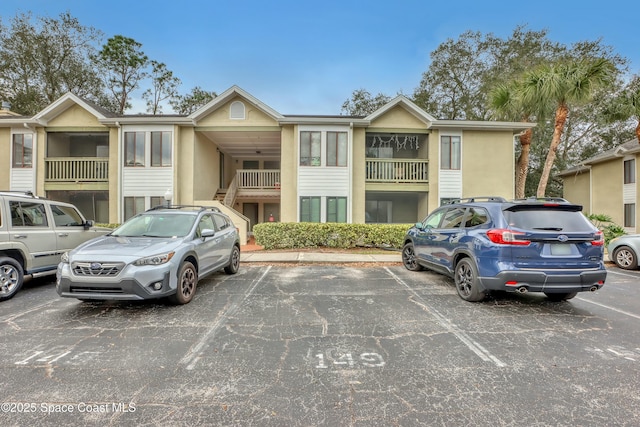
(310, 148)
(206, 222)
(22, 150)
(28, 214)
(309, 209)
(157, 201)
(134, 149)
(160, 148)
(221, 222)
(133, 206)
(378, 211)
(453, 218)
(476, 216)
(629, 214)
(450, 152)
(433, 220)
(629, 171)
(65, 216)
(336, 209)
(336, 149)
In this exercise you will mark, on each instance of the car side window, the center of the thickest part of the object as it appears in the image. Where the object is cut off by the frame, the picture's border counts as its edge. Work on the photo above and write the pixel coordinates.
(476, 216)
(453, 218)
(205, 222)
(433, 220)
(221, 222)
(28, 214)
(65, 216)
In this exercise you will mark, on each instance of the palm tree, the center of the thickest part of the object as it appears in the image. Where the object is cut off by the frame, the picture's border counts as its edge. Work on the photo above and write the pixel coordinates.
(558, 85)
(507, 103)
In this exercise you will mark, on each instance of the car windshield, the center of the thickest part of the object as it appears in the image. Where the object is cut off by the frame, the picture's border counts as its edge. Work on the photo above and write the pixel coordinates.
(549, 220)
(156, 225)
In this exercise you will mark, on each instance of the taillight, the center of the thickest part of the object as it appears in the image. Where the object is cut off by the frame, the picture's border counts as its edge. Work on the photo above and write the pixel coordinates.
(598, 239)
(506, 237)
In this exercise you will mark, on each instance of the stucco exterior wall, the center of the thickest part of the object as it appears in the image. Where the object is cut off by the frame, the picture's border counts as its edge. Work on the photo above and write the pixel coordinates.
(5, 159)
(289, 174)
(184, 186)
(576, 189)
(114, 178)
(75, 117)
(207, 163)
(487, 164)
(358, 193)
(397, 118)
(606, 184)
(220, 117)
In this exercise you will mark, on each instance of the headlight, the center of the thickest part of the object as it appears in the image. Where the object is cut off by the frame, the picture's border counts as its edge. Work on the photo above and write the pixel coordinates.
(154, 260)
(65, 258)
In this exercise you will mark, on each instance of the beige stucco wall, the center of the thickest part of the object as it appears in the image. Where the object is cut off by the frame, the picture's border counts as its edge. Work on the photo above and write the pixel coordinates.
(487, 164)
(207, 163)
(185, 170)
(358, 193)
(432, 200)
(397, 118)
(5, 161)
(288, 174)
(75, 117)
(576, 189)
(220, 117)
(606, 184)
(114, 177)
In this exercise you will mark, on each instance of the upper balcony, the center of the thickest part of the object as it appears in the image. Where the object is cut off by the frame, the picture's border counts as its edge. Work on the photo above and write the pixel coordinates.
(404, 171)
(76, 169)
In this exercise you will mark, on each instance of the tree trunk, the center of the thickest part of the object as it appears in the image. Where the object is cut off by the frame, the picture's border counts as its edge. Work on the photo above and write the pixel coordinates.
(522, 167)
(561, 117)
(638, 131)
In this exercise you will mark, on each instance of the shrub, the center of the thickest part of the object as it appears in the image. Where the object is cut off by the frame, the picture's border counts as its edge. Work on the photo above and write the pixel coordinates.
(292, 235)
(607, 226)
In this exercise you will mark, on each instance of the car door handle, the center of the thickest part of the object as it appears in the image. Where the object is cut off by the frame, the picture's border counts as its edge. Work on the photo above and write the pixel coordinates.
(63, 234)
(20, 236)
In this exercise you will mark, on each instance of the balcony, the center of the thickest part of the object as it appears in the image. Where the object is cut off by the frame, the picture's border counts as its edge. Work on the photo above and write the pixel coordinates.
(76, 169)
(407, 171)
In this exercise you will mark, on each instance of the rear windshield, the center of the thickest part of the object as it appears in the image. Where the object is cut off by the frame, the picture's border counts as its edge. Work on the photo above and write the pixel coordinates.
(549, 219)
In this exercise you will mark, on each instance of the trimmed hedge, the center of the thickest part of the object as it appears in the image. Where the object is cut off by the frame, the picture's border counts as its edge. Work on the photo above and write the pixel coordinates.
(294, 235)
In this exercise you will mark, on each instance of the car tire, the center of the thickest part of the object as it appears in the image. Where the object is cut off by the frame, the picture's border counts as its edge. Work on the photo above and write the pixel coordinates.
(563, 296)
(466, 280)
(234, 261)
(409, 258)
(625, 258)
(11, 277)
(187, 283)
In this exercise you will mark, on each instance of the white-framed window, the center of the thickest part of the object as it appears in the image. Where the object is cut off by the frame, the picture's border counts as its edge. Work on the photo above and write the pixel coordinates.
(133, 206)
(450, 149)
(337, 148)
(310, 148)
(336, 209)
(134, 149)
(630, 215)
(310, 209)
(160, 149)
(22, 150)
(237, 110)
(146, 147)
(630, 171)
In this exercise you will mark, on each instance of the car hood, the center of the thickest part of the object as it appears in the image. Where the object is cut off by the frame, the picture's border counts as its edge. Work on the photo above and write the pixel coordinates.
(113, 247)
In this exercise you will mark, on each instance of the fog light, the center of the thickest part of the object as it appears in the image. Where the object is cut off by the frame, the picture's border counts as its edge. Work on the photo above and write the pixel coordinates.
(157, 286)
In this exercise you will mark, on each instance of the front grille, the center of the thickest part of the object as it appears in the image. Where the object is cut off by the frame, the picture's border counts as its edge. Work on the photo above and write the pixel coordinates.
(104, 269)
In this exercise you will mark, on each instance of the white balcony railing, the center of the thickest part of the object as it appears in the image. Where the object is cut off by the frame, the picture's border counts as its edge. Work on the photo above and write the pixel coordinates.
(397, 170)
(266, 179)
(72, 169)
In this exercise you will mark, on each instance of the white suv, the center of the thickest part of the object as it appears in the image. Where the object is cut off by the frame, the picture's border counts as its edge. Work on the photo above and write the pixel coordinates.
(34, 233)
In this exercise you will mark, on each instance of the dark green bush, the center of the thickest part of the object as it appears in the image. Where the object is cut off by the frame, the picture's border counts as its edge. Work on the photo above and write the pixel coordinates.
(604, 223)
(293, 235)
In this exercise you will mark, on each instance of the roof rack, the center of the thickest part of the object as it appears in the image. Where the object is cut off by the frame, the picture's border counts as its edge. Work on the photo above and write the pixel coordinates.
(479, 199)
(201, 208)
(542, 199)
(20, 193)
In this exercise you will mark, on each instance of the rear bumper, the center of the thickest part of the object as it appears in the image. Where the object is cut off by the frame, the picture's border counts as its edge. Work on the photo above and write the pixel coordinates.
(540, 281)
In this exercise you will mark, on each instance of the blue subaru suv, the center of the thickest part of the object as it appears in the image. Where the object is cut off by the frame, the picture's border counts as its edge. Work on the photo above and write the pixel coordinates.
(526, 245)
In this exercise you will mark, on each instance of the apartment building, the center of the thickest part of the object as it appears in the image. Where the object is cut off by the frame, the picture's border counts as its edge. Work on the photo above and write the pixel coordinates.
(392, 166)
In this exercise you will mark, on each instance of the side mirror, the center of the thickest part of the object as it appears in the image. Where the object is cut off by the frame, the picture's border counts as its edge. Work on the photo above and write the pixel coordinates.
(88, 224)
(419, 226)
(207, 232)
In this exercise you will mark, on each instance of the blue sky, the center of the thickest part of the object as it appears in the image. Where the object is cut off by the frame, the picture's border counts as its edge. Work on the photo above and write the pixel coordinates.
(307, 57)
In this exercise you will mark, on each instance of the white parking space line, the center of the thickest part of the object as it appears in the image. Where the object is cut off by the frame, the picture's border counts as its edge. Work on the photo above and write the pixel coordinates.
(32, 309)
(473, 345)
(610, 308)
(619, 273)
(193, 355)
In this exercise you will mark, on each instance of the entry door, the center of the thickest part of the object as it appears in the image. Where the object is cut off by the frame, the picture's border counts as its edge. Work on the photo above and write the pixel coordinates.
(250, 210)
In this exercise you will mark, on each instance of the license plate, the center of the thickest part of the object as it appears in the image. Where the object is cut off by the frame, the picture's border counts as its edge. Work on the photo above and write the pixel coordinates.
(560, 249)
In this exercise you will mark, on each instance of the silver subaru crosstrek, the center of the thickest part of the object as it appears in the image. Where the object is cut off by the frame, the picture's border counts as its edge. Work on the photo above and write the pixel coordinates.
(159, 253)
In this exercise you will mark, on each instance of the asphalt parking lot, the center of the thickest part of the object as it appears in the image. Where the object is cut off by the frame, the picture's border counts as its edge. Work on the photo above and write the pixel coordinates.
(324, 345)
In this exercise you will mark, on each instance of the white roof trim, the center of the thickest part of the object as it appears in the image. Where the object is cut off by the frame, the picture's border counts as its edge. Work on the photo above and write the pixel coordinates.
(229, 94)
(61, 105)
(408, 105)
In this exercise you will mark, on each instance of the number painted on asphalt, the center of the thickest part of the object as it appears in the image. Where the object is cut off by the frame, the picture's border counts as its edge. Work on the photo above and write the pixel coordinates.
(347, 360)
